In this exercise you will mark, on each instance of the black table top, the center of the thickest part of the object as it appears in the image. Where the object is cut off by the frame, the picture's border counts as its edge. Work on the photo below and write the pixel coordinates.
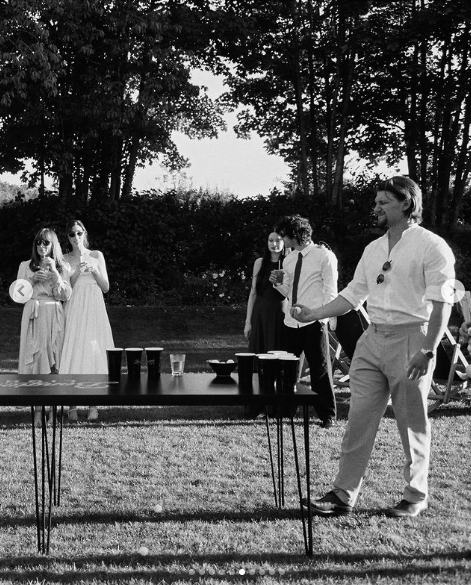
(98, 390)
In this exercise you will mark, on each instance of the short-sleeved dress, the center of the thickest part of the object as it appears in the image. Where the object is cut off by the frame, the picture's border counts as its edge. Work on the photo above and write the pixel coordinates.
(42, 324)
(87, 328)
(267, 316)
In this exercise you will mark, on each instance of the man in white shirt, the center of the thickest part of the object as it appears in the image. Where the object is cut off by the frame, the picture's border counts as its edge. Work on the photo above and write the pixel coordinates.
(403, 274)
(314, 283)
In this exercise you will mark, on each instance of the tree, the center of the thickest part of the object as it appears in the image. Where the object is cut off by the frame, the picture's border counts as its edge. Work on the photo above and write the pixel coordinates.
(323, 78)
(98, 88)
(419, 104)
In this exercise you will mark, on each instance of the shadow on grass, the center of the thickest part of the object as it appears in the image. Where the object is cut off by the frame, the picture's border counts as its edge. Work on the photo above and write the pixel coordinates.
(237, 568)
(144, 416)
(201, 416)
(261, 513)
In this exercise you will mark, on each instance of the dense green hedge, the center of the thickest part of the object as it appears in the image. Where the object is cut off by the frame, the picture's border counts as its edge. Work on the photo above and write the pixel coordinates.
(191, 248)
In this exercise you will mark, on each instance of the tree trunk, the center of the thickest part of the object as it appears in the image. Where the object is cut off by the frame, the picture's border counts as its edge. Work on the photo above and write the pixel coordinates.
(340, 158)
(331, 116)
(303, 166)
(130, 167)
(313, 116)
(438, 123)
(115, 183)
(461, 170)
(410, 118)
(65, 186)
(422, 120)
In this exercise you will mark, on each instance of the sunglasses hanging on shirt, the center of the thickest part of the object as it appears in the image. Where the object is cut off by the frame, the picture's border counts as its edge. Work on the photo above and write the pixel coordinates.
(385, 268)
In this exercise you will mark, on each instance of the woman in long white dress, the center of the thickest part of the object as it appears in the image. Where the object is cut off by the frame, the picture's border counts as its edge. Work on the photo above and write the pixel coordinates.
(87, 330)
(43, 320)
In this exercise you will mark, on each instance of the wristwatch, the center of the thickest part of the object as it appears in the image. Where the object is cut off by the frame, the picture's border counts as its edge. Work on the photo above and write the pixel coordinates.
(428, 353)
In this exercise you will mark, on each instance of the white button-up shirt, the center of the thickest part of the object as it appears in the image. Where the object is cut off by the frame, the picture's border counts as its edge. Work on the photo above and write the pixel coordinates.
(317, 281)
(421, 263)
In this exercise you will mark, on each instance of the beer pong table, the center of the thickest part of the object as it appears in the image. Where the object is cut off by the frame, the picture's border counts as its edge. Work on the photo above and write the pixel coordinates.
(190, 389)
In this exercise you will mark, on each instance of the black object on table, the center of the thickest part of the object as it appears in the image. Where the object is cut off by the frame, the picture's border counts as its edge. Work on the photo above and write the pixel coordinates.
(190, 389)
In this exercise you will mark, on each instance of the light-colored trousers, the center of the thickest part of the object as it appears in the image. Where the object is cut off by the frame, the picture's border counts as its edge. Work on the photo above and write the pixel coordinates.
(377, 373)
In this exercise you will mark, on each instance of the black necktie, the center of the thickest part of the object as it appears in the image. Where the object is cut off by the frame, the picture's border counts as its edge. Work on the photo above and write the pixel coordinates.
(297, 272)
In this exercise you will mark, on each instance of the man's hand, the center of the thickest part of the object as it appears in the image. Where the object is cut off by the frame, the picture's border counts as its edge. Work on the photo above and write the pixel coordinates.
(418, 366)
(302, 313)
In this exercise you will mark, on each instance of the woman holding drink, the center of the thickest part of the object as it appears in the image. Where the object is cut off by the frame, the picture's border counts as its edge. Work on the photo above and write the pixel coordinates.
(265, 307)
(42, 324)
(88, 331)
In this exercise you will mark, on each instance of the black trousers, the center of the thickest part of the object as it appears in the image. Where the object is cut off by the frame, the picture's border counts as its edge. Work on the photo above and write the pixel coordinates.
(312, 340)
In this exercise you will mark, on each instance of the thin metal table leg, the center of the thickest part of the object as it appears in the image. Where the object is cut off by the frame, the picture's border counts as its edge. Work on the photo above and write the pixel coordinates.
(52, 485)
(308, 477)
(59, 471)
(36, 486)
(44, 456)
(281, 479)
(48, 477)
(300, 491)
(271, 456)
(52, 478)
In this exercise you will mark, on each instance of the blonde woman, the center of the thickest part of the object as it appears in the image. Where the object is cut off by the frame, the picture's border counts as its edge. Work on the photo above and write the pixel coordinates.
(43, 321)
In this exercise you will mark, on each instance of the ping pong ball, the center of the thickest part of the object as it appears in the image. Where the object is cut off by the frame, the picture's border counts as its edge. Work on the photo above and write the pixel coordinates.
(143, 551)
(297, 310)
(158, 508)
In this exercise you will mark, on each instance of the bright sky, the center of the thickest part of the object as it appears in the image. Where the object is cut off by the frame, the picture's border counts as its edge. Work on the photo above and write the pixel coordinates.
(228, 164)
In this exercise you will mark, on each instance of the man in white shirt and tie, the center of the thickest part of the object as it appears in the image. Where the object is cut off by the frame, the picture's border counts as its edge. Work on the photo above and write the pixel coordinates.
(405, 275)
(310, 277)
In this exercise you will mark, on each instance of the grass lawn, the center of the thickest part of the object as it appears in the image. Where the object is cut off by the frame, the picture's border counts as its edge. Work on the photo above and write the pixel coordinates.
(209, 472)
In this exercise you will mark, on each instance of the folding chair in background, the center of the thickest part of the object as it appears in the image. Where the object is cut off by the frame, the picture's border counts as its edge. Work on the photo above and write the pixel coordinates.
(447, 382)
(341, 343)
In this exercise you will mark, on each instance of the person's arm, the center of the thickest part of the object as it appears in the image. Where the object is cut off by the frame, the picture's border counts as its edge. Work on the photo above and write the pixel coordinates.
(419, 364)
(60, 283)
(63, 289)
(330, 276)
(23, 272)
(74, 275)
(339, 306)
(251, 300)
(285, 287)
(100, 274)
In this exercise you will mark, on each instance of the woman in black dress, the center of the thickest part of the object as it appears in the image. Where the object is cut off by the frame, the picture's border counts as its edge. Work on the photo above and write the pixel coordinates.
(265, 307)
